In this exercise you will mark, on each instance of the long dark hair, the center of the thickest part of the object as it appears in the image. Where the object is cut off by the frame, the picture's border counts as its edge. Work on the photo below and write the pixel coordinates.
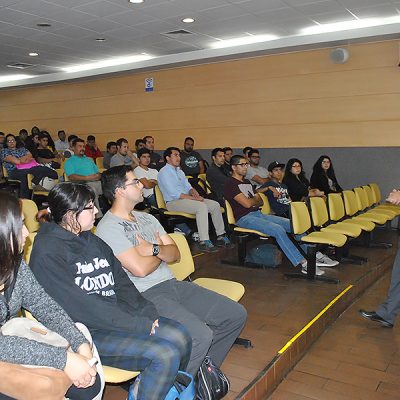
(289, 174)
(65, 197)
(10, 232)
(317, 168)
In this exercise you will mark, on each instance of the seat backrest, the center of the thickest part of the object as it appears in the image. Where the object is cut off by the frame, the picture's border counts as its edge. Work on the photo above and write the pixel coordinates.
(319, 212)
(266, 208)
(350, 202)
(300, 217)
(202, 177)
(159, 198)
(336, 206)
(30, 210)
(99, 162)
(369, 194)
(362, 200)
(5, 172)
(184, 267)
(28, 246)
(377, 192)
(229, 213)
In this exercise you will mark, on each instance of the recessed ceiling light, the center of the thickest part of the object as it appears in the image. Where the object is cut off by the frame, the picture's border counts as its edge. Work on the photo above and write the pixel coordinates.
(111, 62)
(33, 54)
(188, 20)
(220, 44)
(136, 1)
(43, 25)
(100, 39)
(17, 77)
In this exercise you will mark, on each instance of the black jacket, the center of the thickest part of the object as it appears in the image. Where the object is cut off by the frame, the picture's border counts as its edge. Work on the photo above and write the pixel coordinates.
(320, 181)
(298, 188)
(82, 274)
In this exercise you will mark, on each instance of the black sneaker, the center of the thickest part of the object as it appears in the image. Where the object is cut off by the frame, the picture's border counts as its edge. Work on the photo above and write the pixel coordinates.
(207, 246)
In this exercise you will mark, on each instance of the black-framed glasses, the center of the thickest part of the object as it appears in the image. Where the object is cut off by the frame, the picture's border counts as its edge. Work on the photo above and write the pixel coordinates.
(134, 182)
(243, 164)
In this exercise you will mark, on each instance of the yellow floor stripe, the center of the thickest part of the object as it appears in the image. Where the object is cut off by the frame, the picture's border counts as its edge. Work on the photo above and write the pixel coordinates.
(295, 337)
(198, 254)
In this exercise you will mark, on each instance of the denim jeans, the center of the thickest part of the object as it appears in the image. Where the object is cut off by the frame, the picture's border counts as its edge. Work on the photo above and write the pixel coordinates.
(276, 227)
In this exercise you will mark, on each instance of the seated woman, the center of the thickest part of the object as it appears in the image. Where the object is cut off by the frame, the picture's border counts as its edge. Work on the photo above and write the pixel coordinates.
(19, 163)
(81, 272)
(323, 176)
(297, 183)
(19, 288)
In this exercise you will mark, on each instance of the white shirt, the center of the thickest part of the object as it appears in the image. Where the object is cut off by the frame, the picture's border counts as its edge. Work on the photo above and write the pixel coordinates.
(60, 145)
(148, 174)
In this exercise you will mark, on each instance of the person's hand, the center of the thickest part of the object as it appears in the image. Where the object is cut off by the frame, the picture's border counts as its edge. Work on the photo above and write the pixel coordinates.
(274, 191)
(144, 248)
(394, 197)
(85, 350)
(153, 327)
(79, 371)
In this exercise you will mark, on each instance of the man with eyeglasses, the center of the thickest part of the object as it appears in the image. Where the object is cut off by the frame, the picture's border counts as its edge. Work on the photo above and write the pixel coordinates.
(256, 174)
(246, 205)
(144, 248)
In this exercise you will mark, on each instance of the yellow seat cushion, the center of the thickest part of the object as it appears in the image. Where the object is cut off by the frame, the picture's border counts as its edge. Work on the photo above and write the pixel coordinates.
(374, 217)
(334, 239)
(346, 229)
(364, 224)
(387, 211)
(180, 214)
(116, 375)
(233, 290)
(245, 230)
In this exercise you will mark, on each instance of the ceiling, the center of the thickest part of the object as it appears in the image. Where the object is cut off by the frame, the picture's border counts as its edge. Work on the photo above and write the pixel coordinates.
(134, 29)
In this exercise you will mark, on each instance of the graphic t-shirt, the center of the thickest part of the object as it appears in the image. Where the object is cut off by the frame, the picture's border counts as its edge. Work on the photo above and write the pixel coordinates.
(279, 205)
(190, 162)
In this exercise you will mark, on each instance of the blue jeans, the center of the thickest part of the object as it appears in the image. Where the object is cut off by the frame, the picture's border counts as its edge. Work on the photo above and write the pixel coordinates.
(276, 227)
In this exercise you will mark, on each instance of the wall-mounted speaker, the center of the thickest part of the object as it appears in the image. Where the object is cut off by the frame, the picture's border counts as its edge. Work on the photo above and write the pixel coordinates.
(339, 55)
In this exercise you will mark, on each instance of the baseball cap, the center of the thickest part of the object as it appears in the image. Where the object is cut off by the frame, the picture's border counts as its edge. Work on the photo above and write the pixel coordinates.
(275, 164)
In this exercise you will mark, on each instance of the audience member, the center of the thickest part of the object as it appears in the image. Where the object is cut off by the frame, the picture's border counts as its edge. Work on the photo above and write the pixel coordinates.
(50, 140)
(245, 206)
(217, 175)
(144, 249)
(156, 160)
(180, 196)
(245, 151)
(228, 153)
(2, 137)
(256, 174)
(123, 155)
(192, 163)
(81, 272)
(35, 131)
(22, 138)
(45, 155)
(80, 168)
(111, 151)
(147, 176)
(91, 149)
(19, 288)
(323, 176)
(32, 143)
(70, 151)
(61, 144)
(19, 163)
(139, 144)
(297, 183)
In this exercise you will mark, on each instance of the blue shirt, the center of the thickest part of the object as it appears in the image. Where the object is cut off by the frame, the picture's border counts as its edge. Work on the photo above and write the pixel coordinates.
(80, 166)
(172, 182)
(18, 152)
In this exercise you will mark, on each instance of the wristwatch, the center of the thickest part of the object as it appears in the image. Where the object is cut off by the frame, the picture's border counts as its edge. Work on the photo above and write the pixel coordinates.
(156, 249)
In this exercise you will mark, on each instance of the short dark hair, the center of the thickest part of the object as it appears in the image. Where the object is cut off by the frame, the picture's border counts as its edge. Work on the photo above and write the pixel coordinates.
(109, 144)
(71, 138)
(23, 131)
(246, 149)
(42, 135)
(60, 131)
(91, 137)
(252, 151)
(143, 151)
(120, 141)
(147, 137)
(168, 151)
(112, 179)
(225, 149)
(77, 140)
(216, 150)
(137, 141)
(188, 138)
(236, 159)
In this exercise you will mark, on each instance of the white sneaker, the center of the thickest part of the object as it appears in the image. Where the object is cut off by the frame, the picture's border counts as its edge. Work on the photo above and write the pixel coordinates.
(325, 261)
(318, 271)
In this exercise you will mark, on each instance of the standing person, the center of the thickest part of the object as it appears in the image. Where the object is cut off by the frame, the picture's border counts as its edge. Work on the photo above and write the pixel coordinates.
(123, 156)
(110, 152)
(156, 160)
(126, 328)
(144, 249)
(19, 288)
(192, 162)
(256, 174)
(62, 143)
(217, 175)
(91, 149)
(297, 183)
(180, 196)
(147, 176)
(323, 176)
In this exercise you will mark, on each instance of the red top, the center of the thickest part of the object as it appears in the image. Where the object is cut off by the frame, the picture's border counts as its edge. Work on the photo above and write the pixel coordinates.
(90, 152)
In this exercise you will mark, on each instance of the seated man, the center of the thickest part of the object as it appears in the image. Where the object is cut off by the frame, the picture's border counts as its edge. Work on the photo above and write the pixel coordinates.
(228, 153)
(256, 174)
(123, 156)
(111, 151)
(144, 249)
(192, 163)
(139, 144)
(245, 206)
(156, 160)
(45, 155)
(70, 151)
(91, 149)
(217, 175)
(180, 196)
(80, 168)
(61, 144)
(147, 176)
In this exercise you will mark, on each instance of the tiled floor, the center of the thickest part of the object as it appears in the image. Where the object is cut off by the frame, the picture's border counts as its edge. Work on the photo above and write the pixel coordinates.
(277, 309)
(353, 359)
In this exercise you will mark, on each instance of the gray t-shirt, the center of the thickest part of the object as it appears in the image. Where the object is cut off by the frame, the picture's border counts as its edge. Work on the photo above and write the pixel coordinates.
(253, 171)
(120, 235)
(119, 159)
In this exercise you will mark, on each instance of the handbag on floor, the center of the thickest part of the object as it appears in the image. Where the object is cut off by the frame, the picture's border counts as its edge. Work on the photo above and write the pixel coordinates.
(211, 382)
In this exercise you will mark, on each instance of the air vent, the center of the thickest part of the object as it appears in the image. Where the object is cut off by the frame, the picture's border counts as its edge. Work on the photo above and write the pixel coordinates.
(20, 65)
(178, 32)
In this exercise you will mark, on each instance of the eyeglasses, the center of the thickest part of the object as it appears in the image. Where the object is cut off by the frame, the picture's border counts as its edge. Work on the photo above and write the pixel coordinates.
(134, 182)
(244, 164)
(10, 140)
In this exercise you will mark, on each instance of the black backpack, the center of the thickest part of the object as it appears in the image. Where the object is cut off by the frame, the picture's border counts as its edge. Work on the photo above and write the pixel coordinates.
(211, 382)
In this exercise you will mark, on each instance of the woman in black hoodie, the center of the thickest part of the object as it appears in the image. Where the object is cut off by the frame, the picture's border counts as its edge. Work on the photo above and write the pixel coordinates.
(323, 176)
(81, 272)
